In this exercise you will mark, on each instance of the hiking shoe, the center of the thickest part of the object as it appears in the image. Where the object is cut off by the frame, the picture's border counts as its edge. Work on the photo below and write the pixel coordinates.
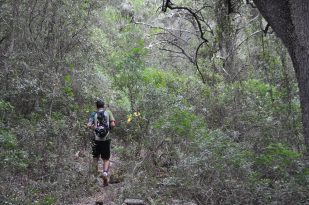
(105, 180)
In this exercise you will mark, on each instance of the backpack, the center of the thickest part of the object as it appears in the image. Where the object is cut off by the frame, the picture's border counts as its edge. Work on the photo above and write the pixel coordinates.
(102, 128)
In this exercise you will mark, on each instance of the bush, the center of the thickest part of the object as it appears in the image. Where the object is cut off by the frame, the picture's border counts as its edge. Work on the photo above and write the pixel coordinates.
(276, 161)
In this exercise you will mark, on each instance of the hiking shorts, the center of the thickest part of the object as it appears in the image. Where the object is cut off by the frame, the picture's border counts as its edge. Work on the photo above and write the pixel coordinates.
(101, 148)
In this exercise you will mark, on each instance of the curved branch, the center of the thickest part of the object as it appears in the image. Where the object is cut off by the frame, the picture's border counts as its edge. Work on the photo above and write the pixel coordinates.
(168, 4)
(183, 52)
(196, 61)
(266, 29)
(3, 38)
(250, 3)
(239, 45)
(163, 28)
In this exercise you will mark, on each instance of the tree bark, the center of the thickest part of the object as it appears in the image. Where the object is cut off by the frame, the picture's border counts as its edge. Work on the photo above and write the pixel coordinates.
(290, 21)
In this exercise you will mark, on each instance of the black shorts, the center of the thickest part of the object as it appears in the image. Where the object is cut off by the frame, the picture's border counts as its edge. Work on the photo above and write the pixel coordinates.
(102, 148)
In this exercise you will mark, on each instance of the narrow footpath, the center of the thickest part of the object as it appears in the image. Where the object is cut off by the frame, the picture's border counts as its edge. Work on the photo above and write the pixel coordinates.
(106, 195)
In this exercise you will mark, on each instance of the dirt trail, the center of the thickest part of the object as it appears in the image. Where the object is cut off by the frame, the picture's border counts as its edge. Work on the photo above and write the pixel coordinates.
(105, 195)
(108, 194)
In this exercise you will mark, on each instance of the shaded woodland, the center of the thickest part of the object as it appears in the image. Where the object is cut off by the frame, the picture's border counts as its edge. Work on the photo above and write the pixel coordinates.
(210, 98)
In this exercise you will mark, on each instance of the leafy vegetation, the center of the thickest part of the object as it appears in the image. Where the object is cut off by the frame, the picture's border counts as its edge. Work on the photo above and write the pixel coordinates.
(234, 139)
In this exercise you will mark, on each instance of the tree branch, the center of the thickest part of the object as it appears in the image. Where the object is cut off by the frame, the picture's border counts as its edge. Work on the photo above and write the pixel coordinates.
(194, 60)
(237, 47)
(250, 3)
(3, 38)
(168, 4)
(248, 23)
(169, 50)
(266, 29)
(163, 28)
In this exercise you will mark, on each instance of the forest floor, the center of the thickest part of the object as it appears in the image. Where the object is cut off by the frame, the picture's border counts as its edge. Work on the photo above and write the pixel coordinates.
(108, 194)
(113, 193)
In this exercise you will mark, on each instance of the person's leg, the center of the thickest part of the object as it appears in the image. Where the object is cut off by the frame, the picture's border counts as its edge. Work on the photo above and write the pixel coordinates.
(95, 155)
(105, 171)
(106, 153)
(105, 156)
(105, 165)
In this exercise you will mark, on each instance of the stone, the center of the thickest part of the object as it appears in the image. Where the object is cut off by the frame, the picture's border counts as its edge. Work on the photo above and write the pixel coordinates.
(134, 202)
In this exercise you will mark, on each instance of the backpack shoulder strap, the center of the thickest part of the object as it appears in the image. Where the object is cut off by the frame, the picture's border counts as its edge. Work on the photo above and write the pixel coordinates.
(95, 118)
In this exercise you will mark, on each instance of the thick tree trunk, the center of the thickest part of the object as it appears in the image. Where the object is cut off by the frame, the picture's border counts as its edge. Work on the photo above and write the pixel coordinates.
(290, 21)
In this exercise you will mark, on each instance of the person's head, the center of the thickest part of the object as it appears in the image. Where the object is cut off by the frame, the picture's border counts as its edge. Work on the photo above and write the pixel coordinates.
(99, 104)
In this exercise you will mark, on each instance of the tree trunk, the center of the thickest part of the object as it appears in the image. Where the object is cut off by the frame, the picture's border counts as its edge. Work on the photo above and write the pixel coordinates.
(290, 21)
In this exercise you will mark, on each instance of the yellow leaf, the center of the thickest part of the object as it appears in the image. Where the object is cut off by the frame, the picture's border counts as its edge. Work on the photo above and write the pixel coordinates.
(137, 114)
(129, 118)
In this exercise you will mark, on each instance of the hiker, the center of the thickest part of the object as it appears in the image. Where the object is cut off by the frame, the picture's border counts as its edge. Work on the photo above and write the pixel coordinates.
(101, 122)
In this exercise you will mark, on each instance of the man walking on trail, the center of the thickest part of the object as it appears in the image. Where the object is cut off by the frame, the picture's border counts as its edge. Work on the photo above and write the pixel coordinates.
(101, 121)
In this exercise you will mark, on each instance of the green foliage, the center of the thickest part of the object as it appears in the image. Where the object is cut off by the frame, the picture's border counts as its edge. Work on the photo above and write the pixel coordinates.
(48, 200)
(15, 160)
(277, 159)
(160, 78)
(41, 198)
(67, 78)
(216, 143)
(278, 155)
(183, 123)
(257, 107)
(111, 15)
(251, 89)
(207, 166)
(7, 140)
(99, 40)
(10, 155)
(302, 177)
(224, 148)
(59, 125)
(5, 106)
(123, 101)
(128, 79)
(258, 87)
(155, 31)
(58, 116)
(137, 4)
(68, 90)
(154, 77)
(5, 109)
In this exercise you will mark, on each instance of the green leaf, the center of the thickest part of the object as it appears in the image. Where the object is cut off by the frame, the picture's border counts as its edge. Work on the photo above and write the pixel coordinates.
(67, 78)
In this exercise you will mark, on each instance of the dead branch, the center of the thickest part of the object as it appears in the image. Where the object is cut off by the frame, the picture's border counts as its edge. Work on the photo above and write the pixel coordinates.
(168, 4)
(163, 28)
(266, 29)
(3, 38)
(250, 3)
(239, 45)
(194, 60)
